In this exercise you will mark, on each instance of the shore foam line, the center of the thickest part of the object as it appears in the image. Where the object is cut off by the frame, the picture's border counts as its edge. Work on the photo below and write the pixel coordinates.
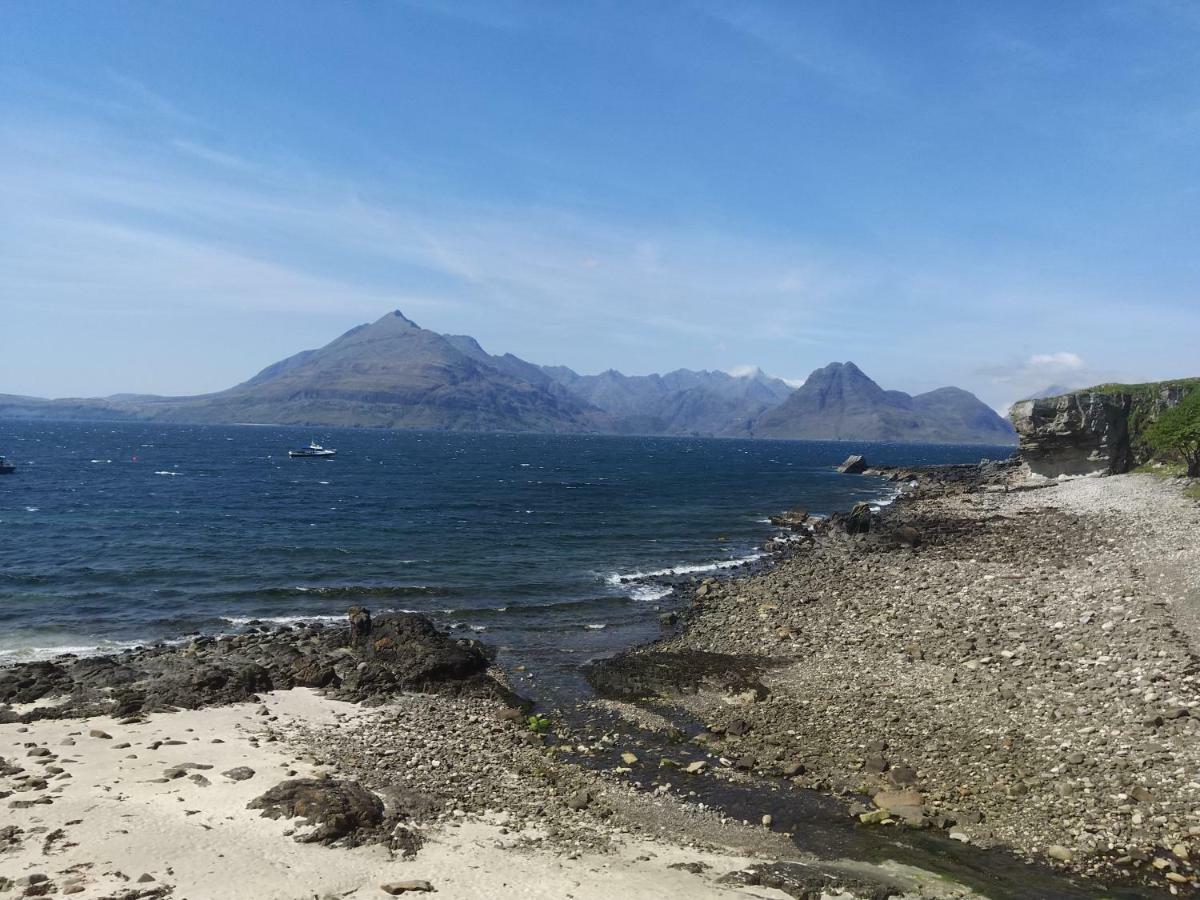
(619, 578)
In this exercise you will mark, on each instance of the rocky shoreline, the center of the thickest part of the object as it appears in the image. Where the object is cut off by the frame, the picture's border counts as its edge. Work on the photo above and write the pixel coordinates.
(1005, 662)
(1002, 658)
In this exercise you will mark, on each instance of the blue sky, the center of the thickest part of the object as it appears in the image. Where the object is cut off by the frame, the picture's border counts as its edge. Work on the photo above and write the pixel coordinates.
(998, 196)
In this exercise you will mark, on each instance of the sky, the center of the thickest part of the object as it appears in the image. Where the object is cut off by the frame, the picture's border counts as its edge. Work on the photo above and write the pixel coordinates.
(996, 196)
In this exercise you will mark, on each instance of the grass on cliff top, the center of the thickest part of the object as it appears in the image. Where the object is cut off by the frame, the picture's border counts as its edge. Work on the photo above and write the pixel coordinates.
(1147, 389)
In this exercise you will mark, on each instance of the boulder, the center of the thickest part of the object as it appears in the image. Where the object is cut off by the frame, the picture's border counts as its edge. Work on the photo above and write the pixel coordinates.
(859, 519)
(904, 803)
(337, 810)
(854, 465)
(360, 625)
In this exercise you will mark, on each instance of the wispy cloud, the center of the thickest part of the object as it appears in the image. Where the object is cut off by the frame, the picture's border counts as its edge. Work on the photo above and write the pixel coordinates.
(138, 224)
(792, 34)
(209, 154)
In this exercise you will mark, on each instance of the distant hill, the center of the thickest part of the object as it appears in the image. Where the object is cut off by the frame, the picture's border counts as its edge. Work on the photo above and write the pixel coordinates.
(680, 402)
(394, 374)
(839, 402)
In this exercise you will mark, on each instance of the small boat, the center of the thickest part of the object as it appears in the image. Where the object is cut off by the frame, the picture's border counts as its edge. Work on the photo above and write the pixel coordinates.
(312, 451)
(6, 468)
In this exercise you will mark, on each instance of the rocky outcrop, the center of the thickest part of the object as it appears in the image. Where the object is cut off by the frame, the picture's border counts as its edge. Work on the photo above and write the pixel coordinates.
(336, 811)
(1096, 431)
(371, 661)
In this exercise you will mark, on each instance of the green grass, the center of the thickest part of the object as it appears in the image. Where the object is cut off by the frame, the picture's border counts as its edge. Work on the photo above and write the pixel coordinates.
(1193, 491)
(1149, 389)
(1162, 469)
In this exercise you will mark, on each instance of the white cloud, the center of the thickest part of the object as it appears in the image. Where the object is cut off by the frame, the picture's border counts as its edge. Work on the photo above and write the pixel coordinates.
(744, 371)
(1062, 361)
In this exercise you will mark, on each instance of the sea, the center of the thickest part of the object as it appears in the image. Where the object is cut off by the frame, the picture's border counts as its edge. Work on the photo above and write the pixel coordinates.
(552, 548)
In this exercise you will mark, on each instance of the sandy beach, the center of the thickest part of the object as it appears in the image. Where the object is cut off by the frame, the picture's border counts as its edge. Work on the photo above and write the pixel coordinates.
(120, 823)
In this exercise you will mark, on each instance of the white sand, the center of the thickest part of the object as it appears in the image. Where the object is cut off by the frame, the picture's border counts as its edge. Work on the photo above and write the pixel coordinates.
(206, 844)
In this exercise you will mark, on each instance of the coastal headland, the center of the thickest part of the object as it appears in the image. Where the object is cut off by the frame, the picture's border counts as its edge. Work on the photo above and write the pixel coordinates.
(986, 688)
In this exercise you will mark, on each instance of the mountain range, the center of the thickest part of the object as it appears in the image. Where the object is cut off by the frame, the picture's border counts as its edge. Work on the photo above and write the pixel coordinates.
(394, 374)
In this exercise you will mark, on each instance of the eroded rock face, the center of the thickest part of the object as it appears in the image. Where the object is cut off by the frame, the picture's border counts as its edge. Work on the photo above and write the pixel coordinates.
(1090, 432)
(1075, 434)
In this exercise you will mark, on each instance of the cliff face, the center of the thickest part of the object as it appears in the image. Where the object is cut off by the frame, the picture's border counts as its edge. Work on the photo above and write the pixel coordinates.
(1094, 431)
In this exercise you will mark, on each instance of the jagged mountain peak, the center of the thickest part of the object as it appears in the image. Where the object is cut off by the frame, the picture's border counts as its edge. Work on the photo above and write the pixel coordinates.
(840, 402)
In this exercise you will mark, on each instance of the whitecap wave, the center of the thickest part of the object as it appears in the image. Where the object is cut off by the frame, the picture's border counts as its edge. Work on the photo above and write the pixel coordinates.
(648, 593)
(165, 472)
(280, 620)
(36, 654)
(599, 626)
(618, 578)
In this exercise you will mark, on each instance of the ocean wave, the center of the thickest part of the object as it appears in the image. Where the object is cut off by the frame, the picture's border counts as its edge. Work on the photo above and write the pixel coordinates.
(648, 593)
(165, 472)
(619, 578)
(38, 653)
(280, 620)
(600, 626)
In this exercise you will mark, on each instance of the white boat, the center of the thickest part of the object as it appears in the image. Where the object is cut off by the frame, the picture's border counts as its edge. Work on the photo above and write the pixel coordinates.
(312, 451)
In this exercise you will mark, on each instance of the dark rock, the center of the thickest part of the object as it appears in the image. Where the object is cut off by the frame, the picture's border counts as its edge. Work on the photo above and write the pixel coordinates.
(902, 776)
(405, 887)
(408, 653)
(875, 763)
(638, 675)
(360, 626)
(737, 728)
(314, 672)
(907, 536)
(340, 810)
(805, 882)
(239, 773)
(859, 519)
(580, 800)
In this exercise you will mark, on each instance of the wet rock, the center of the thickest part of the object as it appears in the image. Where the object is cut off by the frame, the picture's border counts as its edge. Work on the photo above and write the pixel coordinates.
(646, 674)
(806, 882)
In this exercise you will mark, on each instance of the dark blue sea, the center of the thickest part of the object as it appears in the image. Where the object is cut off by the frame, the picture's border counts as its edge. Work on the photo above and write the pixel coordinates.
(553, 548)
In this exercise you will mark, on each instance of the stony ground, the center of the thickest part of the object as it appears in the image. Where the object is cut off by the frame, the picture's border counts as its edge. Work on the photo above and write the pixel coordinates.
(1024, 677)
